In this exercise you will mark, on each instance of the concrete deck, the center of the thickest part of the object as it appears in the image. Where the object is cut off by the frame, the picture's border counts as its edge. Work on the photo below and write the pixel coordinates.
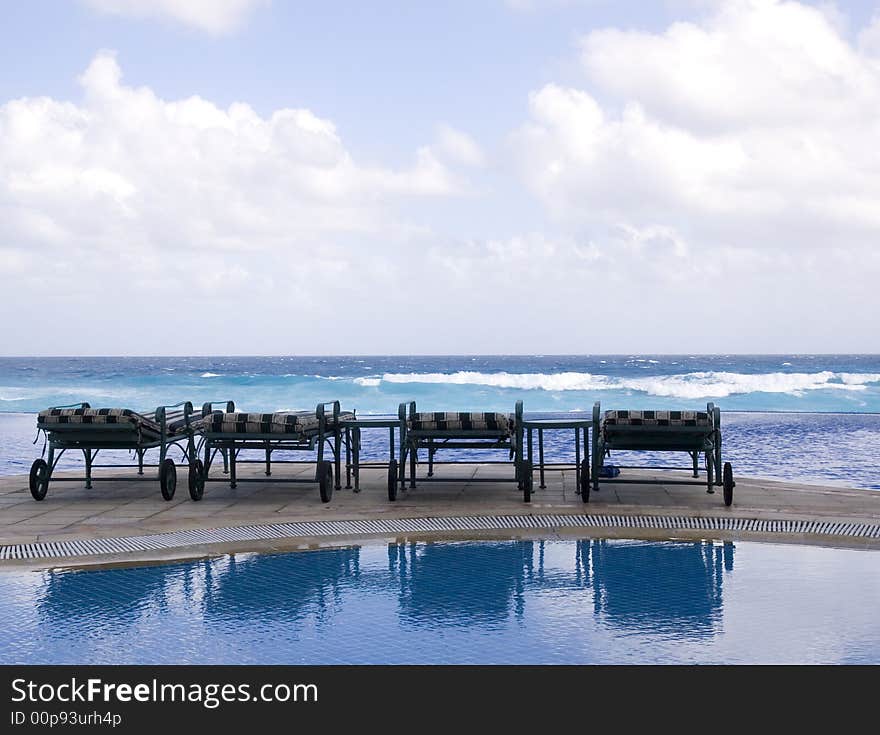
(132, 508)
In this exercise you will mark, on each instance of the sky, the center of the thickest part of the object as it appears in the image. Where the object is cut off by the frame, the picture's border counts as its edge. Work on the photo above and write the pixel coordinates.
(492, 176)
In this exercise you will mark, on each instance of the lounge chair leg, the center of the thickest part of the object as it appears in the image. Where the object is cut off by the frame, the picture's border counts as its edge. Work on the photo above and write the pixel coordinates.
(140, 454)
(50, 461)
(88, 455)
(543, 484)
(225, 454)
(348, 440)
(696, 457)
(356, 457)
(232, 482)
(586, 454)
(430, 458)
(709, 478)
(337, 452)
(412, 467)
(268, 462)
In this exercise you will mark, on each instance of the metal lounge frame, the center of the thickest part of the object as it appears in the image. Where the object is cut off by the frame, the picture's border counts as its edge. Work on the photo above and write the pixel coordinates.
(434, 440)
(92, 438)
(694, 440)
(229, 444)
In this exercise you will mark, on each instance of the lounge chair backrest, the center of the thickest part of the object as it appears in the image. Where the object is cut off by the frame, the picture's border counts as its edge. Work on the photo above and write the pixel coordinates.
(657, 418)
(461, 420)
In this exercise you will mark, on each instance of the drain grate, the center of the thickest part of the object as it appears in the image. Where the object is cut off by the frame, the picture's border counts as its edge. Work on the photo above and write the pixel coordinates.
(329, 529)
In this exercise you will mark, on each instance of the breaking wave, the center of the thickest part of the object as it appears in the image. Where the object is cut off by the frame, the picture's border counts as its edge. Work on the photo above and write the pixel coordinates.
(368, 382)
(687, 385)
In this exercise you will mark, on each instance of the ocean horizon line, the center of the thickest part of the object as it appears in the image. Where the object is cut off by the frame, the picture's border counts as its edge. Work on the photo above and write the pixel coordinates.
(441, 354)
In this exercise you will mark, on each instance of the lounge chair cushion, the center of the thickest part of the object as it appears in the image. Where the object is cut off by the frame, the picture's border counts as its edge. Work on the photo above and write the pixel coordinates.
(461, 421)
(280, 422)
(656, 418)
(123, 417)
(178, 426)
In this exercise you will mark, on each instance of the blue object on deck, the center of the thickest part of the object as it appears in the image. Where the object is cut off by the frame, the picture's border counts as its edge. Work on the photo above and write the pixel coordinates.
(609, 470)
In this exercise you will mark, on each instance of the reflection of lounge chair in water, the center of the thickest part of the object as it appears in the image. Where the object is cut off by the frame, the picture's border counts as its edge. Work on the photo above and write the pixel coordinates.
(89, 597)
(279, 587)
(217, 588)
(460, 583)
(658, 587)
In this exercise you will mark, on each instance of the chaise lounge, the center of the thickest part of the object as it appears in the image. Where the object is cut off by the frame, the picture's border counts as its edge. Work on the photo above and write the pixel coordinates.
(433, 432)
(92, 430)
(693, 432)
(229, 432)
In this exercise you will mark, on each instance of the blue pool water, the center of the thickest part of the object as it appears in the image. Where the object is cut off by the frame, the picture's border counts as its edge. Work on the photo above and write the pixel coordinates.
(512, 602)
(794, 417)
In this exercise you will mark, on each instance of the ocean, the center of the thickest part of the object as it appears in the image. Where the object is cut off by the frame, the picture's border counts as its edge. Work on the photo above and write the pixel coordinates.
(799, 417)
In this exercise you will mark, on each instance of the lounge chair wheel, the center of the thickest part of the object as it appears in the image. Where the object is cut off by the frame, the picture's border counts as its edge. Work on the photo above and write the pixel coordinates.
(325, 481)
(585, 481)
(392, 480)
(168, 479)
(196, 480)
(729, 484)
(39, 479)
(527, 481)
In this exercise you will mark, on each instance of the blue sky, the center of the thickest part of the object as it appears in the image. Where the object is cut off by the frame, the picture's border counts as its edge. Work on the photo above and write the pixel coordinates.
(527, 176)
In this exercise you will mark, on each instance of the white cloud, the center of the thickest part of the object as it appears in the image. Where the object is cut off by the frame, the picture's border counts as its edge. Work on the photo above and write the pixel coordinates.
(212, 16)
(869, 38)
(129, 197)
(721, 176)
(459, 147)
(733, 160)
(186, 174)
(756, 128)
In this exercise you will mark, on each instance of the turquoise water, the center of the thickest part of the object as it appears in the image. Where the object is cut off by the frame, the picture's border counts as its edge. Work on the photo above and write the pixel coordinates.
(793, 417)
(841, 449)
(813, 383)
(515, 602)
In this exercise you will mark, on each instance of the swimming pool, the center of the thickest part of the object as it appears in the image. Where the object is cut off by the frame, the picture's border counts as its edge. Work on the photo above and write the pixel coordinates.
(505, 602)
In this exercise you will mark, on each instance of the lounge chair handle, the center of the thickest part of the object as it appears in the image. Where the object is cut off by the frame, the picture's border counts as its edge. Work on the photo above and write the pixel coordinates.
(208, 407)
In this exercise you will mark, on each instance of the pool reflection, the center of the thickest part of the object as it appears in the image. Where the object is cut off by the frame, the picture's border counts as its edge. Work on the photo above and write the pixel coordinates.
(626, 586)
(673, 588)
(442, 585)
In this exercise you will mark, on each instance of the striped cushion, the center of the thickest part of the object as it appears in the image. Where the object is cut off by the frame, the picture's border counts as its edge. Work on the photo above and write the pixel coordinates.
(178, 426)
(461, 421)
(120, 416)
(656, 418)
(281, 422)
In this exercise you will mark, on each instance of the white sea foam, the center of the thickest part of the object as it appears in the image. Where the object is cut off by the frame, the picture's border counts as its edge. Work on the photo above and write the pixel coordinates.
(210, 375)
(859, 378)
(368, 382)
(687, 385)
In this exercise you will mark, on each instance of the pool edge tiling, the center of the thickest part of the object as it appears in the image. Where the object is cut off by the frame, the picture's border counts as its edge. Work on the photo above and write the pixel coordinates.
(126, 522)
(336, 531)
